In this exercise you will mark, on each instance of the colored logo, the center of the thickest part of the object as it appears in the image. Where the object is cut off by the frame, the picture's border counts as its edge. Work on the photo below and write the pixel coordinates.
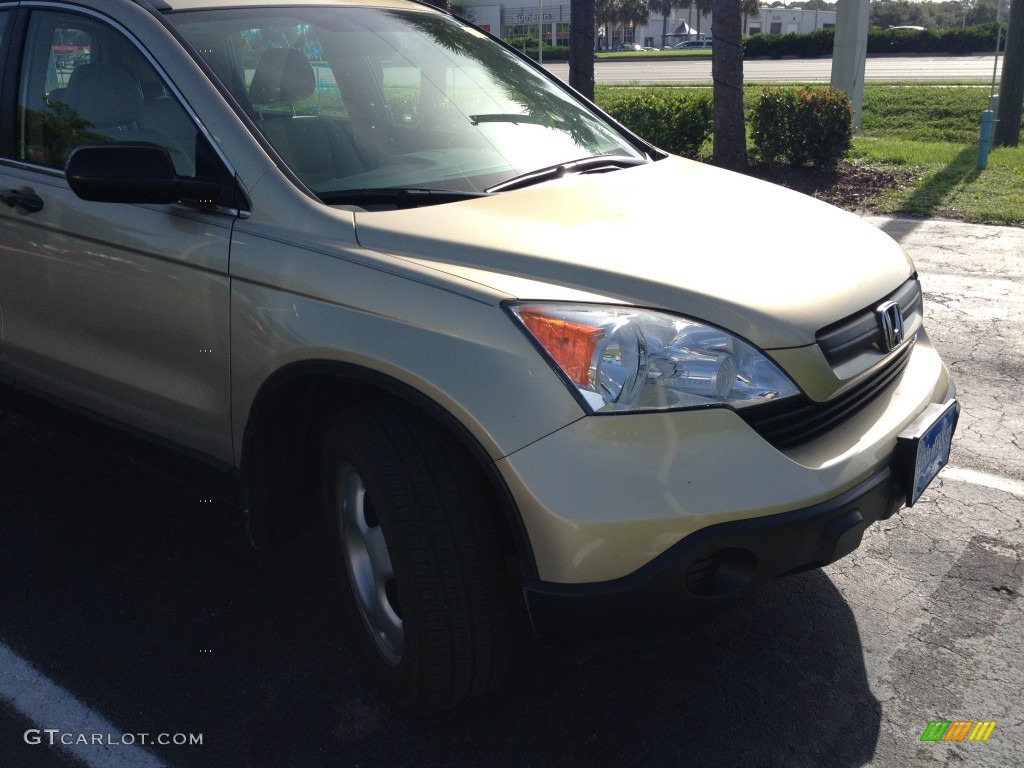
(958, 730)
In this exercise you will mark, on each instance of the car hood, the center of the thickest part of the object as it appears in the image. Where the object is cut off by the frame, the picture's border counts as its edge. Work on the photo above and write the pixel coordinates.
(769, 264)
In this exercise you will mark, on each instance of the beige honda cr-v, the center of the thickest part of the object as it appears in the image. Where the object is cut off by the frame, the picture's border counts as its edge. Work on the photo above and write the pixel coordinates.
(391, 279)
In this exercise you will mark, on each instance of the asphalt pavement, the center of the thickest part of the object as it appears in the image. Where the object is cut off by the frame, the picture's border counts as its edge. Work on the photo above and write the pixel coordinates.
(129, 607)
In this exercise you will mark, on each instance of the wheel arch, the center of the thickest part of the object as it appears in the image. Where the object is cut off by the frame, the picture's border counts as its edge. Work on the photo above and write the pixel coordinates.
(279, 461)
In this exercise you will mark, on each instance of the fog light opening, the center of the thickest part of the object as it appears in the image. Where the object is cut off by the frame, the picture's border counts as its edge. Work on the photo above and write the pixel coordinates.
(721, 573)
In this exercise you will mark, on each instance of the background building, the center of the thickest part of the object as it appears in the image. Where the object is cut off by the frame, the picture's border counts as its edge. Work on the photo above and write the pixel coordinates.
(515, 20)
(785, 21)
(687, 23)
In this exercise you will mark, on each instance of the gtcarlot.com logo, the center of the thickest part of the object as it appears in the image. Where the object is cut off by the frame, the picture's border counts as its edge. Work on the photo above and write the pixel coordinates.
(958, 730)
(55, 737)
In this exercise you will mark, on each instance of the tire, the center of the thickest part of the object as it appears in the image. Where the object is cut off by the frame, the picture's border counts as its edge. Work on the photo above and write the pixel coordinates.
(413, 535)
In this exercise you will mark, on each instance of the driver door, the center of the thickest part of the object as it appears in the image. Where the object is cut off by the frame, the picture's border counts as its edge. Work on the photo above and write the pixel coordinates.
(118, 309)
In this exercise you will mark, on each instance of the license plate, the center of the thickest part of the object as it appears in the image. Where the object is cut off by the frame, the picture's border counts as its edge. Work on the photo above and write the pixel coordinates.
(924, 446)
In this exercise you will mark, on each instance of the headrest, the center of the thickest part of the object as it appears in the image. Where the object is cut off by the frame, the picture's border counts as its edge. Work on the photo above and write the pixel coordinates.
(106, 95)
(283, 76)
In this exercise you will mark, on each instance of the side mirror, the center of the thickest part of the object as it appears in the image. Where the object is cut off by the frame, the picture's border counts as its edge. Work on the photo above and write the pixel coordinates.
(132, 173)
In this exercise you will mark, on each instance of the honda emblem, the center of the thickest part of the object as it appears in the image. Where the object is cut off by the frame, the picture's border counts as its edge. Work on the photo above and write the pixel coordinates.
(890, 318)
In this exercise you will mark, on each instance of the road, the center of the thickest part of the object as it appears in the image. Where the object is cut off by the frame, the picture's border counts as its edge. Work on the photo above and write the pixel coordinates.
(128, 605)
(878, 68)
(936, 591)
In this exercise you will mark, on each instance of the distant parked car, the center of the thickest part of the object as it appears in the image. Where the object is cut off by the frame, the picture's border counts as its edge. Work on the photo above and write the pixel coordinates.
(694, 44)
(628, 47)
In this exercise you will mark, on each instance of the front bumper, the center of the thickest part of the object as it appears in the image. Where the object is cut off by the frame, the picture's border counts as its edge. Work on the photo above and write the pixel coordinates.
(605, 496)
(680, 513)
(713, 567)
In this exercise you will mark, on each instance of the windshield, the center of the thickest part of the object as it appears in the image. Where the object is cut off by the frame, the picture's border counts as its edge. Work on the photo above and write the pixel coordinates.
(367, 99)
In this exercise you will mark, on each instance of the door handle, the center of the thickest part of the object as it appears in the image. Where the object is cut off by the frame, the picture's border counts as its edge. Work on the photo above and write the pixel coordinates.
(22, 198)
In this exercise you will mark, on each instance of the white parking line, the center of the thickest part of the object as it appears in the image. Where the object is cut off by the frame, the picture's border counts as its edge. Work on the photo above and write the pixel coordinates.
(62, 719)
(974, 477)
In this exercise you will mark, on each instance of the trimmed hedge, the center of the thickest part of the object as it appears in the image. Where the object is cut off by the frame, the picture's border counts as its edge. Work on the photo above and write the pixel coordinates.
(802, 125)
(551, 53)
(819, 43)
(811, 45)
(675, 121)
(528, 45)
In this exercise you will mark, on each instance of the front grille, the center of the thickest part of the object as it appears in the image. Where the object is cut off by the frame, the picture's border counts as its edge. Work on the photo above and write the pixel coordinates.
(860, 334)
(795, 421)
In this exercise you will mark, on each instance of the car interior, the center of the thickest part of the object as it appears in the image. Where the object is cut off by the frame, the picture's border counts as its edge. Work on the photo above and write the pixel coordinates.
(110, 94)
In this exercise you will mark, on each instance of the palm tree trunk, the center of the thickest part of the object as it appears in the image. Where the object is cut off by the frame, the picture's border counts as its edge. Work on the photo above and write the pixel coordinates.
(1011, 84)
(581, 47)
(730, 138)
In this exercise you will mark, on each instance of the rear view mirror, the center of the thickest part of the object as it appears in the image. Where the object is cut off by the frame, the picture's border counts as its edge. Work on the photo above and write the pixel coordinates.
(132, 173)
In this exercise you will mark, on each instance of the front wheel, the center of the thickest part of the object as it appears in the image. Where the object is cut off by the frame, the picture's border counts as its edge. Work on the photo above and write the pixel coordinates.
(413, 533)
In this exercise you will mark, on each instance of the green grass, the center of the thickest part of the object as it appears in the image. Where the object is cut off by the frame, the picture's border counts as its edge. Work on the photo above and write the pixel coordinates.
(921, 114)
(933, 133)
(929, 133)
(948, 183)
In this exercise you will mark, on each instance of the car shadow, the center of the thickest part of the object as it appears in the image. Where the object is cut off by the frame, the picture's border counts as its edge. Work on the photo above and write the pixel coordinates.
(929, 196)
(144, 601)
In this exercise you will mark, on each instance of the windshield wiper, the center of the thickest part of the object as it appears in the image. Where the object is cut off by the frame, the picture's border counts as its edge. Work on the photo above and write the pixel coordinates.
(400, 197)
(596, 164)
(510, 117)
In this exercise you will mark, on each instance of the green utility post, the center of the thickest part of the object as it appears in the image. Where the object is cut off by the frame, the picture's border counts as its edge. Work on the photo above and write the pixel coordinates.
(988, 117)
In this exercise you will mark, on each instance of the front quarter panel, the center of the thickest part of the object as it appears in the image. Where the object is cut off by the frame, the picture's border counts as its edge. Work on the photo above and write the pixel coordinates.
(325, 299)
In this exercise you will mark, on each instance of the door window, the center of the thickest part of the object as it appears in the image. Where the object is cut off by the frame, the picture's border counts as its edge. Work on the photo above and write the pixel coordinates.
(83, 82)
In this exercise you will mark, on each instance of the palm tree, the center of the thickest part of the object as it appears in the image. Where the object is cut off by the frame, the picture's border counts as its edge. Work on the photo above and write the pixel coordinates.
(730, 138)
(581, 46)
(703, 9)
(634, 12)
(749, 8)
(1011, 83)
(628, 13)
(606, 12)
(665, 7)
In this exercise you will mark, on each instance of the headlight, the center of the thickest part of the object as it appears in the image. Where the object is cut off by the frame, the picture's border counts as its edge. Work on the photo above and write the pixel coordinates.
(626, 359)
